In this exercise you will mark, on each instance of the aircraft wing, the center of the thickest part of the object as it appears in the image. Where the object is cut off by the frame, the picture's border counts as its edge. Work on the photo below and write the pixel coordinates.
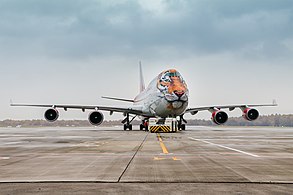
(131, 109)
(230, 107)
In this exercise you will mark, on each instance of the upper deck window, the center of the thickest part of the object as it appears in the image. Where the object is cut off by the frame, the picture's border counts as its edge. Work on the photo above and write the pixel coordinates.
(174, 74)
(168, 75)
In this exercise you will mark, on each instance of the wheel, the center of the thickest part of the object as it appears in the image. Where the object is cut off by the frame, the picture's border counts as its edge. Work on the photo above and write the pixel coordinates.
(130, 127)
(141, 127)
(183, 127)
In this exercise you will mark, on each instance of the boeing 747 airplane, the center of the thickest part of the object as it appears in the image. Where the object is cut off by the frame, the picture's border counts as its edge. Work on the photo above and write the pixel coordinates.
(166, 96)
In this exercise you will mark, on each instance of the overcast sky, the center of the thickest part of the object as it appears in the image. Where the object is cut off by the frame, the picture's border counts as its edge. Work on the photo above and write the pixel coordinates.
(73, 52)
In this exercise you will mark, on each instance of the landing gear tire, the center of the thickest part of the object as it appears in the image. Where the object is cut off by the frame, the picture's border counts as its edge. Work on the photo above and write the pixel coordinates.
(183, 127)
(141, 127)
(125, 127)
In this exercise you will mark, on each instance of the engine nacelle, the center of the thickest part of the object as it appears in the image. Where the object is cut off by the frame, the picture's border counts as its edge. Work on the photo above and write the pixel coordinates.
(96, 118)
(219, 117)
(250, 114)
(51, 115)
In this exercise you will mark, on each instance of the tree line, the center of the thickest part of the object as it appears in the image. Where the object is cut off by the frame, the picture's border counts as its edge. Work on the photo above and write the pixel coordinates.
(276, 120)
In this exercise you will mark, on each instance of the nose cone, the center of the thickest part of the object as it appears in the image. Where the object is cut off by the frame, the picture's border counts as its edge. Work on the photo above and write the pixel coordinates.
(172, 85)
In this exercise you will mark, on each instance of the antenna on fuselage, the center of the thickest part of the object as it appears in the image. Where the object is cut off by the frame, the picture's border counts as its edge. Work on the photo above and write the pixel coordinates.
(142, 85)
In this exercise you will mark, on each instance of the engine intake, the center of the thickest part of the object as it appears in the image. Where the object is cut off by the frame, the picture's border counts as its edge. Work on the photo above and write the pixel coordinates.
(96, 118)
(250, 114)
(51, 115)
(219, 117)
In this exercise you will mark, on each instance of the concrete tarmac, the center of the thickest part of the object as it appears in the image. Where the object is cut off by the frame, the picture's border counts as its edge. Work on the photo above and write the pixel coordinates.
(200, 160)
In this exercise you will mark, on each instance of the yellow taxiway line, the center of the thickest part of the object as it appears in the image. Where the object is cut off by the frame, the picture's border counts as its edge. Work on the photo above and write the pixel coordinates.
(165, 151)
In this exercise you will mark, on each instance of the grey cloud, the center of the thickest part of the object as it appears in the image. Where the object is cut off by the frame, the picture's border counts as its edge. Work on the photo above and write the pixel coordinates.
(61, 51)
(97, 28)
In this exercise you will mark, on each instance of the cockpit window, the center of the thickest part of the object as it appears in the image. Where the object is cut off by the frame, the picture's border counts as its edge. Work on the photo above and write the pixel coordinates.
(174, 74)
(169, 75)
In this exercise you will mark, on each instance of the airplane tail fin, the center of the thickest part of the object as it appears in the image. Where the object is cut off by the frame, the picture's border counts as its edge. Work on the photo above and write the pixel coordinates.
(142, 85)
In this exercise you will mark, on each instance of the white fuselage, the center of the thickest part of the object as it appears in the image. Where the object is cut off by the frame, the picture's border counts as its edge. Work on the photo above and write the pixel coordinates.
(157, 103)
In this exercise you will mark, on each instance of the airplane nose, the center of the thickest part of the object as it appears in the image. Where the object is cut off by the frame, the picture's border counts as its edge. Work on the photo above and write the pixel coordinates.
(179, 93)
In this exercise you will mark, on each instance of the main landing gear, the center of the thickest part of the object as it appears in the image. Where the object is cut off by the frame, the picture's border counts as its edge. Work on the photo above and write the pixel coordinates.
(181, 125)
(144, 125)
(127, 122)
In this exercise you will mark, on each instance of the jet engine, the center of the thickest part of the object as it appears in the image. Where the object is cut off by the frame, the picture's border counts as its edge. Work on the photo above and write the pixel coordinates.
(51, 115)
(250, 114)
(219, 117)
(96, 118)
